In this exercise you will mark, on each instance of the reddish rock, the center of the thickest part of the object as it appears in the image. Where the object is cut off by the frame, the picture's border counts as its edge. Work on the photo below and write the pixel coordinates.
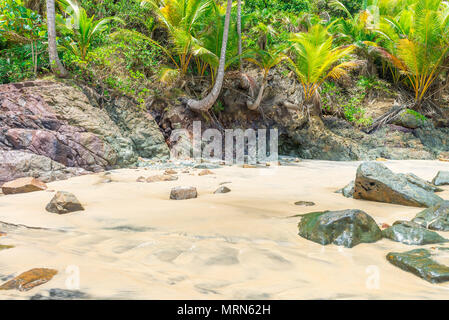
(30, 279)
(23, 185)
(205, 172)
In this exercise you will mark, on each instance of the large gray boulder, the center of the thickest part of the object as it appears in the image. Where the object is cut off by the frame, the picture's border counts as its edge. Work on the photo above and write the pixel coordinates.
(434, 218)
(345, 228)
(375, 182)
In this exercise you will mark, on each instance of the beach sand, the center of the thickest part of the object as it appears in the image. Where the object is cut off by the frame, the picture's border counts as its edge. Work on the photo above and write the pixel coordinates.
(132, 242)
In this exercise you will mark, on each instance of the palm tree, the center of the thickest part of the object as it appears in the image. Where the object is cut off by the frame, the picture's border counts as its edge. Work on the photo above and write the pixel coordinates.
(316, 61)
(207, 103)
(265, 60)
(83, 29)
(417, 43)
(55, 63)
(239, 31)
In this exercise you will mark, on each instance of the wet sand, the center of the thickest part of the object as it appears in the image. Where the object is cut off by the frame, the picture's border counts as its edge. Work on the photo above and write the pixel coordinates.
(132, 242)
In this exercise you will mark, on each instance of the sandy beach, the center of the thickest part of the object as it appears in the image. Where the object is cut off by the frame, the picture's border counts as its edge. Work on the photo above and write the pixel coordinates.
(132, 242)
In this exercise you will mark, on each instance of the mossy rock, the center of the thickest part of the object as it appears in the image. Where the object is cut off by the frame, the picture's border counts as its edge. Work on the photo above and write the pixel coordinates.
(412, 234)
(346, 228)
(420, 263)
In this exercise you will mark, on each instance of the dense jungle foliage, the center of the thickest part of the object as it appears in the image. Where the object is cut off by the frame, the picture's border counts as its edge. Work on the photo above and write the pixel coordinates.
(136, 47)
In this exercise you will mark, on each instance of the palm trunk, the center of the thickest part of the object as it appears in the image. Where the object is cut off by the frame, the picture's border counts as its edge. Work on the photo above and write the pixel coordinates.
(207, 103)
(239, 31)
(256, 104)
(55, 63)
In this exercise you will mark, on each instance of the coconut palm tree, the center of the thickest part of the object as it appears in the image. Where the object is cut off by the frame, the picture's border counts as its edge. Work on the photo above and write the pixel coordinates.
(316, 60)
(265, 60)
(206, 103)
(55, 63)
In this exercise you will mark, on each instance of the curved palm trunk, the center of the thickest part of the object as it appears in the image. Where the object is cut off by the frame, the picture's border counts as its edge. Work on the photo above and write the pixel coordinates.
(256, 104)
(55, 63)
(207, 103)
(239, 31)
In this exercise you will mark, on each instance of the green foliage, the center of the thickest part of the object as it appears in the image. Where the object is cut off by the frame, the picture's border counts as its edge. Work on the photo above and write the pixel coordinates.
(417, 115)
(278, 5)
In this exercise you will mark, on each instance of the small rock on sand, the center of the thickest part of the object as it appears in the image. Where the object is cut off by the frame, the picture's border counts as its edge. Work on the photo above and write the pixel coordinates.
(411, 233)
(222, 189)
(305, 203)
(23, 185)
(64, 202)
(162, 177)
(30, 279)
(170, 171)
(141, 179)
(183, 193)
(205, 172)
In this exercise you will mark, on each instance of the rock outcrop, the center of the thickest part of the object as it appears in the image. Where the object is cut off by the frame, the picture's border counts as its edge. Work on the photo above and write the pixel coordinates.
(183, 193)
(29, 279)
(375, 182)
(344, 228)
(60, 122)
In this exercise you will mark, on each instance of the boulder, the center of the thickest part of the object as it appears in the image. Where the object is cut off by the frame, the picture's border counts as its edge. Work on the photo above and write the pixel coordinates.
(183, 193)
(410, 119)
(222, 189)
(170, 171)
(29, 279)
(420, 263)
(64, 202)
(441, 179)
(412, 234)
(348, 191)
(344, 228)
(434, 218)
(375, 182)
(23, 185)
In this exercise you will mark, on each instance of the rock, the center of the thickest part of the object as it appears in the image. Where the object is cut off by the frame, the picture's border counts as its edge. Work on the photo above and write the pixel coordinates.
(385, 225)
(162, 177)
(408, 119)
(375, 182)
(5, 246)
(305, 203)
(61, 294)
(30, 279)
(141, 179)
(412, 234)
(74, 127)
(64, 202)
(206, 166)
(344, 228)
(434, 218)
(183, 193)
(205, 172)
(249, 166)
(348, 191)
(16, 164)
(222, 189)
(412, 178)
(170, 171)
(23, 185)
(420, 263)
(381, 159)
(441, 179)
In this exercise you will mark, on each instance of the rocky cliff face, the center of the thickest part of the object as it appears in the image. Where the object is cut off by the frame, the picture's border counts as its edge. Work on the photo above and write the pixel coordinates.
(53, 130)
